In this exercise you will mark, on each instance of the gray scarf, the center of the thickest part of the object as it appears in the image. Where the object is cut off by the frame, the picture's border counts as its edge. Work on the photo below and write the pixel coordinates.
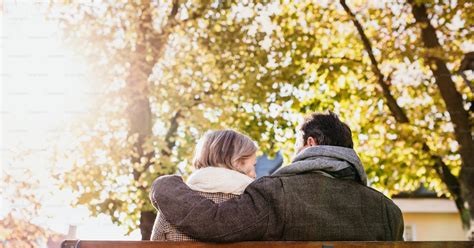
(326, 160)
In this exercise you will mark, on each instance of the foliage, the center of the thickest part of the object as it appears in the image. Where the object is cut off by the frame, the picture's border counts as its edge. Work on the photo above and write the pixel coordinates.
(22, 197)
(259, 67)
(293, 59)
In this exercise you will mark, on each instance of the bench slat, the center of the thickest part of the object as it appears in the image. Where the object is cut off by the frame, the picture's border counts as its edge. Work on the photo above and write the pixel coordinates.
(264, 244)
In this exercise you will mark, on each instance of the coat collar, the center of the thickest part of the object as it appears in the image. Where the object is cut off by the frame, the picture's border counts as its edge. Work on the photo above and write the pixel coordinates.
(325, 159)
(218, 180)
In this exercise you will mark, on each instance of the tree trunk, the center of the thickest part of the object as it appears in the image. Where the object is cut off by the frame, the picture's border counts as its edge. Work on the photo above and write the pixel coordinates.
(138, 109)
(147, 219)
(140, 118)
(392, 104)
(454, 103)
(443, 171)
(140, 124)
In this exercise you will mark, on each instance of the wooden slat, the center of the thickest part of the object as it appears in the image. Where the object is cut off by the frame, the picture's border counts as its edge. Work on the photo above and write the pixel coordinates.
(263, 244)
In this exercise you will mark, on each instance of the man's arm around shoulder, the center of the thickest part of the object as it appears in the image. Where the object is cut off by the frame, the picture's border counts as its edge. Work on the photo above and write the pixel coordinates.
(243, 218)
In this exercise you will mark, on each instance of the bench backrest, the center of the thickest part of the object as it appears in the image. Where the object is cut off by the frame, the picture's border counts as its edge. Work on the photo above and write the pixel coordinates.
(264, 244)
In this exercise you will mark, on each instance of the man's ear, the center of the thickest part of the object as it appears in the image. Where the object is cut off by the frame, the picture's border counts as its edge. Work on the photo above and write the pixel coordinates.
(311, 142)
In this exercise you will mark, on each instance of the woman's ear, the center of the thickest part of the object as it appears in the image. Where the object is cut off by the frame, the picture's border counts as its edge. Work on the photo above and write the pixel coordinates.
(311, 142)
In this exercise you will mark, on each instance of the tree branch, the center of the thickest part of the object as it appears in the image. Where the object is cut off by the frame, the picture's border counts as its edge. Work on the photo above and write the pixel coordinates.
(453, 100)
(392, 104)
(170, 135)
(451, 182)
(174, 10)
(443, 171)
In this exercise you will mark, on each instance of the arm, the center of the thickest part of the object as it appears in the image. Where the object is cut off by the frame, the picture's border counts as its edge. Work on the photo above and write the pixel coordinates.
(239, 219)
(395, 219)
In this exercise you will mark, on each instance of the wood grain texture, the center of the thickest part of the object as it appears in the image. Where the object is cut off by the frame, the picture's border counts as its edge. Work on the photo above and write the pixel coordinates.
(325, 244)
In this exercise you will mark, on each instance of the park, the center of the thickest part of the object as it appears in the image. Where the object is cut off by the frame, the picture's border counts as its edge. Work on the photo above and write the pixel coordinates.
(101, 98)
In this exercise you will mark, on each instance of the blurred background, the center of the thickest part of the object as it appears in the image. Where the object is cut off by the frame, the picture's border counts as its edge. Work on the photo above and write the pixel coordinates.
(98, 98)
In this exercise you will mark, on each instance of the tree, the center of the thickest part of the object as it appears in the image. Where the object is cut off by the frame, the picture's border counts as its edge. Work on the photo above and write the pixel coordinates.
(314, 48)
(453, 100)
(123, 41)
(441, 168)
(259, 66)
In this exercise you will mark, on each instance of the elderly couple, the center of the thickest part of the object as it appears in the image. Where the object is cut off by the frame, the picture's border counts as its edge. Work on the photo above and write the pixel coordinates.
(322, 195)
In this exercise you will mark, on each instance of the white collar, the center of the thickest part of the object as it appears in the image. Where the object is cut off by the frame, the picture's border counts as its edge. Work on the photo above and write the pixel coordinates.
(218, 179)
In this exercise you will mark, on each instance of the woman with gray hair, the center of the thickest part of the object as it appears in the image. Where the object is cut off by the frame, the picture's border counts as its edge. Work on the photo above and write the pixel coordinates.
(225, 165)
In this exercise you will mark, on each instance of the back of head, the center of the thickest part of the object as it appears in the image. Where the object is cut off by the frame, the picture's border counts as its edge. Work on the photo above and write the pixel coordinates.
(327, 129)
(223, 148)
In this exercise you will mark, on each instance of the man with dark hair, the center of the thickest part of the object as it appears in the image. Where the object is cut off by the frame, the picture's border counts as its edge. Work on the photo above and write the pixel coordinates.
(327, 129)
(322, 195)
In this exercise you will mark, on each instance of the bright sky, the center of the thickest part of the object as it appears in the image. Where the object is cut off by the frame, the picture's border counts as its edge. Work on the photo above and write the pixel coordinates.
(44, 88)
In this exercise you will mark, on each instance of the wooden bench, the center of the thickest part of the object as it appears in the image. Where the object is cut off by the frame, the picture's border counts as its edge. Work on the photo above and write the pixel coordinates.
(265, 244)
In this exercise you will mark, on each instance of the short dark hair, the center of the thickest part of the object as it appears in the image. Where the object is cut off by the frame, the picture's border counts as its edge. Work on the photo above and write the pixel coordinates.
(327, 129)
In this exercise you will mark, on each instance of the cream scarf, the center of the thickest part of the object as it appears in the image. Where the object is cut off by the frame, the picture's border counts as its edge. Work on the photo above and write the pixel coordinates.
(218, 180)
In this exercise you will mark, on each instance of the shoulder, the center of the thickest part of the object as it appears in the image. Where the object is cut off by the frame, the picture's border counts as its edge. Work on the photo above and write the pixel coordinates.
(166, 186)
(267, 181)
(383, 197)
(390, 207)
(267, 187)
(217, 197)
